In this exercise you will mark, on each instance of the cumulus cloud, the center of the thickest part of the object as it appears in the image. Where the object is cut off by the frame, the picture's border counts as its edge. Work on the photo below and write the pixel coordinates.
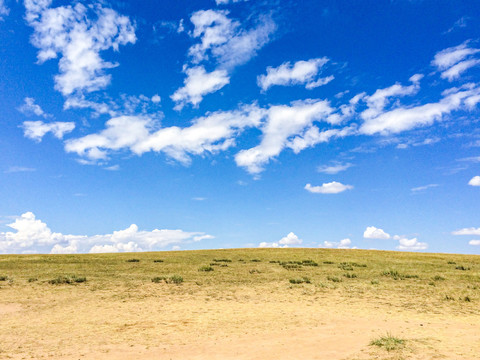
(30, 108)
(328, 188)
(335, 168)
(139, 134)
(454, 61)
(282, 123)
(225, 40)
(290, 239)
(302, 72)
(342, 244)
(197, 84)
(77, 34)
(410, 244)
(400, 118)
(467, 231)
(475, 181)
(36, 130)
(32, 234)
(474, 242)
(371, 232)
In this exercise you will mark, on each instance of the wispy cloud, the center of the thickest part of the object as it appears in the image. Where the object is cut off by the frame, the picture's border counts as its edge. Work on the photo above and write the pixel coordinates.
(423, 188)
(16, 169)
(454, 61)
(335, 168)
(30, 108)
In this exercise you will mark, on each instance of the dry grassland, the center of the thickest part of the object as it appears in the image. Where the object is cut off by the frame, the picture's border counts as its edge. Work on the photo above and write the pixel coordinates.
(252, 304)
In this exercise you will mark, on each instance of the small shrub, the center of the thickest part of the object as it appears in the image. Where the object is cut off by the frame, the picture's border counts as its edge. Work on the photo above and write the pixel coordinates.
(334, 279)
(67, 280)
(451, 262)
(254, 271)
(467, 299)
(395, 275)
(206, 268)
(309, 263)
(388, 342)
(222, 260)
(305, 280)
(350, 276)
(256, 260)
(32, 279)
(375, 282)
(345, 266)
(438, 278)
(158, 279)
(175, 279)
(133, 260)
(3, 278)
(274, 262)
(461, 267)
(328, 262)
(291, 266)
(158, 261)
(431, 283)
(449, 298)
(358, 265)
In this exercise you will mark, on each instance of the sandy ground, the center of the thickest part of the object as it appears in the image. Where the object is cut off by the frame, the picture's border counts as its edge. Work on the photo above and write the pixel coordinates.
(182, 322)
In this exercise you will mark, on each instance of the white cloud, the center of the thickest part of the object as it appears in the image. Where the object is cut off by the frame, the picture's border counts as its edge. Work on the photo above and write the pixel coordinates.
(422, 188)
(467, 231)
(290, 239)
(328, 188)
(197, 84)
(214, 132)
(402, 118)
(342, 244)
(371, 232)
(3, 9)
(225, 2)
(334, 168)
(225, 40)
(32, 234)
(302, 72)
(282, 122)
(156, 99)
(474, 242)
(313, 136)
(411, 244)
(29, 107)
(15, 169)
(475, 181)
(70, 32)
(452, 62)
(36, 130)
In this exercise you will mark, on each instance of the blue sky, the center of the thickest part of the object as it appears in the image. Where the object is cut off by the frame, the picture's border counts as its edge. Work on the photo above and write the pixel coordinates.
(159, 125)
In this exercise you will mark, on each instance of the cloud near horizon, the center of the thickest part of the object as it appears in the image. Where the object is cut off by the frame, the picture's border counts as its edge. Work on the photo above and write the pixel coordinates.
(32, 234)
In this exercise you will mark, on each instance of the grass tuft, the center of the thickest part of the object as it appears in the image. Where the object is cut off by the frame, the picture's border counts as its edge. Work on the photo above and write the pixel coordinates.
(388, 342)
(3, 278)
(205, 268)
(305, 280)
(133, 260)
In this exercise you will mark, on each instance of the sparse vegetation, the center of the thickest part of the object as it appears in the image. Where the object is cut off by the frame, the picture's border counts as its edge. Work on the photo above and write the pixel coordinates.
(133, 260)
(388, 342)
(334, 279)
(463, 268)
(328, 262)
(62, 279)
(174, 279)
(158, 261)
(205, 268)
(350, 275)
(395, 275)
(222, 260)
(438, 278)
(32, 279)
(303, 280)
(3, 278)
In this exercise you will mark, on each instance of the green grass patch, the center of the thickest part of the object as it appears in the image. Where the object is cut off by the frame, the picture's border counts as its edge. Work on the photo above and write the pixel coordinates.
(304, 280)
(206, 268)
(388, 342)
(69, 280)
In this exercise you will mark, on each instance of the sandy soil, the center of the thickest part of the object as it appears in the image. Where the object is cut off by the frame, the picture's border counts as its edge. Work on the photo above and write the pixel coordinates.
(165, 322)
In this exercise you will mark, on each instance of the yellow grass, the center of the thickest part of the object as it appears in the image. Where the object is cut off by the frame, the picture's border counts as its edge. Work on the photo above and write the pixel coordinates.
(243, 309)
